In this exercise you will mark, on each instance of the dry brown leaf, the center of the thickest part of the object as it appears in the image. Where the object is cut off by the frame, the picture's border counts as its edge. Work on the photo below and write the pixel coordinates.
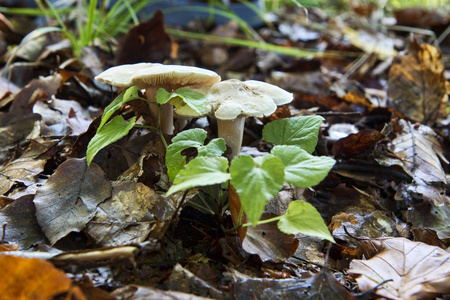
(133, 211)
(418, 151)
(417, 84)
(417, 270)
(31, 278)
(70, 197)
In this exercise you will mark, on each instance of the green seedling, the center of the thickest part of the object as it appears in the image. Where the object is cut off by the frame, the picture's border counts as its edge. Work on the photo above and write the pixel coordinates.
(257, 180)
(110, 132)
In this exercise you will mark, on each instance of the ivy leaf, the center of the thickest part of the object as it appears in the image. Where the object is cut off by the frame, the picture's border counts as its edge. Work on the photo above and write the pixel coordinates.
(298, 131)
(302, 217)
(256, 184)
(113, 131)
(301, 168)
(175, 161)
(129, 94)
(183, 97)
(201, 171)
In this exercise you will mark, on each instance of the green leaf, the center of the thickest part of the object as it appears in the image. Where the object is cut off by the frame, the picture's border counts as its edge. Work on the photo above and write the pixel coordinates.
(298, 131)
(301, 168)
(201, 171)
(302, 217)
(129, 94)
(113, 131)
(256, 185)
(186, 139)
(184, 99)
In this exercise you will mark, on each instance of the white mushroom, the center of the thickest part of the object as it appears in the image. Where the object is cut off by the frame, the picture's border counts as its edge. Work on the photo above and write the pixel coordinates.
(152, 76)
(231, 101)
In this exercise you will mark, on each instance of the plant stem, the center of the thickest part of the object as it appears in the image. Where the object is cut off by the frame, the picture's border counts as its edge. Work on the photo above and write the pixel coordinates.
(264, 221)
(158, 130)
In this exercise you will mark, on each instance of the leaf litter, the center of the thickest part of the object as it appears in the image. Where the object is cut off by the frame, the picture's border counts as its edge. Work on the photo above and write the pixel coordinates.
(383, 98)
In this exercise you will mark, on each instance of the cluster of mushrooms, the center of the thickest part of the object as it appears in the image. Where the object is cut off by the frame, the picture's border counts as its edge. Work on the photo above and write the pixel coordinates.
(229, 101)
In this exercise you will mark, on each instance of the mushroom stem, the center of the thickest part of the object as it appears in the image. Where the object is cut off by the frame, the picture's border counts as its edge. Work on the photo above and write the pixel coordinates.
(166, 115)
(232, 131)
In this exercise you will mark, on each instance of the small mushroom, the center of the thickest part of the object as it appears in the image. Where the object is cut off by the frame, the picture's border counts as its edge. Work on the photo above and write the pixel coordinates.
(231, 101)
(152, 76)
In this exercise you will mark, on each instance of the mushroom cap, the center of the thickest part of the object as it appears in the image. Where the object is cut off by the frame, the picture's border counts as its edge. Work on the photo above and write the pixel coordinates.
(279, 96)
(147, 75)
(231, 98)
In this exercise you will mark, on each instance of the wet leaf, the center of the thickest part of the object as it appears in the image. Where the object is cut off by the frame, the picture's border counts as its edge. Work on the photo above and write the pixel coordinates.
(417, 270)
(32, 278)
(69, 198)
(417, 83)
(297, 131)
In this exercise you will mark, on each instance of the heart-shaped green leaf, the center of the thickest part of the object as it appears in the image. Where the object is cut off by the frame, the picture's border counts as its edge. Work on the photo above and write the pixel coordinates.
(256, 184)
(301, 168)
(201, 171)
(302, 217)
(298, 131)
(175, 161)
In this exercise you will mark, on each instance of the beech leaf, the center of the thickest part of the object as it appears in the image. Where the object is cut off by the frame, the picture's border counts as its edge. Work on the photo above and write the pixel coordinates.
(416, 270)
(69, 198)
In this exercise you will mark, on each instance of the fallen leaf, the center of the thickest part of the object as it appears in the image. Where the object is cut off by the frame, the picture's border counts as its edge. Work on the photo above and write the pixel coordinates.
(32, 278)
(267, 241)
(325, 287)
(418, 151)
(25, 168)
(70, 197)
(147, 42)
(416, 270)
(133, 211)
(357, 144)
(25, 234)
(417, 83)
(136, 292)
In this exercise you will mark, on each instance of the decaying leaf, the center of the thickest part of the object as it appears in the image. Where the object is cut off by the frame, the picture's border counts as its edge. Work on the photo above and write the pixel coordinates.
(25, 168)
(416, 270)
(418, 152)
(269, 242)
(70, 197)
(32, 278)
(417, 84)
(128, 217)
(23, 233)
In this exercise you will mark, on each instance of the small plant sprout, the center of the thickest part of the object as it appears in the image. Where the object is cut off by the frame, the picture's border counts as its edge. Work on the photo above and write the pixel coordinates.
(153, 76)
(257, 180)
(231, 101)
